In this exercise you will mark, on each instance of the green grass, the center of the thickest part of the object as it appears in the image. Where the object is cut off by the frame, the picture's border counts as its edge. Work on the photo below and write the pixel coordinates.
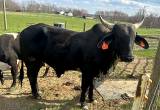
(18, 21)
(127, 106)
(149, 53)
(149, 31)
(158, 103)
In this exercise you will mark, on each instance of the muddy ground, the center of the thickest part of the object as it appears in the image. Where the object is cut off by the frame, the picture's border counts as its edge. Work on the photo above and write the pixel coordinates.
(63, 93)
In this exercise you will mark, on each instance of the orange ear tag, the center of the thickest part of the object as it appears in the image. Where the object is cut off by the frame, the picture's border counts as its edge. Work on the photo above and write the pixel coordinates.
(105, 45)
(142, 44)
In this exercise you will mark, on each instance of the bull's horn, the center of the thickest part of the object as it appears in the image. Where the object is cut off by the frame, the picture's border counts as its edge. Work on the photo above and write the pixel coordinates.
(137, 25)
(106, 23)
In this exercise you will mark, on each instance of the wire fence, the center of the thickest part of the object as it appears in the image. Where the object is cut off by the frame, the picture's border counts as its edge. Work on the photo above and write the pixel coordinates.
(155, 101)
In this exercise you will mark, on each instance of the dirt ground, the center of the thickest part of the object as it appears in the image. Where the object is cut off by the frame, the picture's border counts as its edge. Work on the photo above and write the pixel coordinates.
(63, 93)
(57, 93)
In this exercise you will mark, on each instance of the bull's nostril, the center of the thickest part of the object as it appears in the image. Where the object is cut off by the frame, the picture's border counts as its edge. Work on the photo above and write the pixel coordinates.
(130, 59)
(127, 58)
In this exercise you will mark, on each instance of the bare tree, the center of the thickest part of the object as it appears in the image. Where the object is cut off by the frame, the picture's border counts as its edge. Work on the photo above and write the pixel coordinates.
(33, 6)
(10, 5)
(47, 8)
(79, 12)
(113, 15)
(151, 21)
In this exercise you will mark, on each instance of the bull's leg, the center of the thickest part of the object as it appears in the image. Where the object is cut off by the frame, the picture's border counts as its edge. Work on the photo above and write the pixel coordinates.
(21, 76)
(32, 73)
(14, 71)
(90, 93)
(84, 88)
(14, 75)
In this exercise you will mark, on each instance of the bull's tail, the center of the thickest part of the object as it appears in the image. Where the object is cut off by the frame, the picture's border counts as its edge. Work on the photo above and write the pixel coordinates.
(21, 76)
(1, 77)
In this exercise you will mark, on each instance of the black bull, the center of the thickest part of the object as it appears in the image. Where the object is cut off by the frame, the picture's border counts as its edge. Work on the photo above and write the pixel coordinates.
(93, 51)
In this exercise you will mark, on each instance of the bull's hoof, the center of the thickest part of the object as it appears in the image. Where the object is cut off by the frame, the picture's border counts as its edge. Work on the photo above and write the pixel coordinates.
(84, 106)
(94, 102)
(40, 92)
(12, 89)
(13, 85)
(37, 97)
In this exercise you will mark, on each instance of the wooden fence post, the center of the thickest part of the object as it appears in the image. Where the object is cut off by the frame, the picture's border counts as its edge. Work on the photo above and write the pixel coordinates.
(65, 25)
(4, 14)
(84, 27)
(141, 96)
(155, 76)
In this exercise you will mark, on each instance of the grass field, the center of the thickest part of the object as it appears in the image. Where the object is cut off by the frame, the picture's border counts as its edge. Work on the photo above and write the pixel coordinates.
(150, 53)
(18, 21)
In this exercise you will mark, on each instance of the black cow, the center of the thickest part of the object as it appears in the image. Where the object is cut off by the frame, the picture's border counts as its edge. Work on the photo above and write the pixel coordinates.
(8, 54)
(93, 51)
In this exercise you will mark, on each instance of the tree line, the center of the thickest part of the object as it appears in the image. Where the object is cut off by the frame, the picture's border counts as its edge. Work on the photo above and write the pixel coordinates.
(151, 21)
(33, 6)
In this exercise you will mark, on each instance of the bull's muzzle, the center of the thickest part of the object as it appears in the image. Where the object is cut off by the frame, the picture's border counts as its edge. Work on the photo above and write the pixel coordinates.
(126, 58)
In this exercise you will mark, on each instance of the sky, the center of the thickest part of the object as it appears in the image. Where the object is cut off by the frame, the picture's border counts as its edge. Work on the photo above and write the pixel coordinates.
(128, 6)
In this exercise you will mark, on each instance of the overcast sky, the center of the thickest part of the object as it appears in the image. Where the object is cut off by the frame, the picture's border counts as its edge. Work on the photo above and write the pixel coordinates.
(127, 6)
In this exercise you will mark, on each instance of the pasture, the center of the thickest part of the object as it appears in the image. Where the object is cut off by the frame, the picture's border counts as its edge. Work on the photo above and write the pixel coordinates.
(17, 21)
(63, 93)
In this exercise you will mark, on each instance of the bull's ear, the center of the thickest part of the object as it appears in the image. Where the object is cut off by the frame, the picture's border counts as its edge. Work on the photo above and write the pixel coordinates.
(105, 42)
(141, 42)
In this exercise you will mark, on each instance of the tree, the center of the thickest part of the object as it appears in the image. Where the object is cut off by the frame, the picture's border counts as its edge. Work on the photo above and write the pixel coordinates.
(113, 15)
(32, 6)
(79, 12)
(10, 5)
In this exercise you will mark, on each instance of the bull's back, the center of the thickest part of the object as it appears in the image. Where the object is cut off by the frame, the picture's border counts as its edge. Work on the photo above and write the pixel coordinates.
(35, 39)
(32, 41)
